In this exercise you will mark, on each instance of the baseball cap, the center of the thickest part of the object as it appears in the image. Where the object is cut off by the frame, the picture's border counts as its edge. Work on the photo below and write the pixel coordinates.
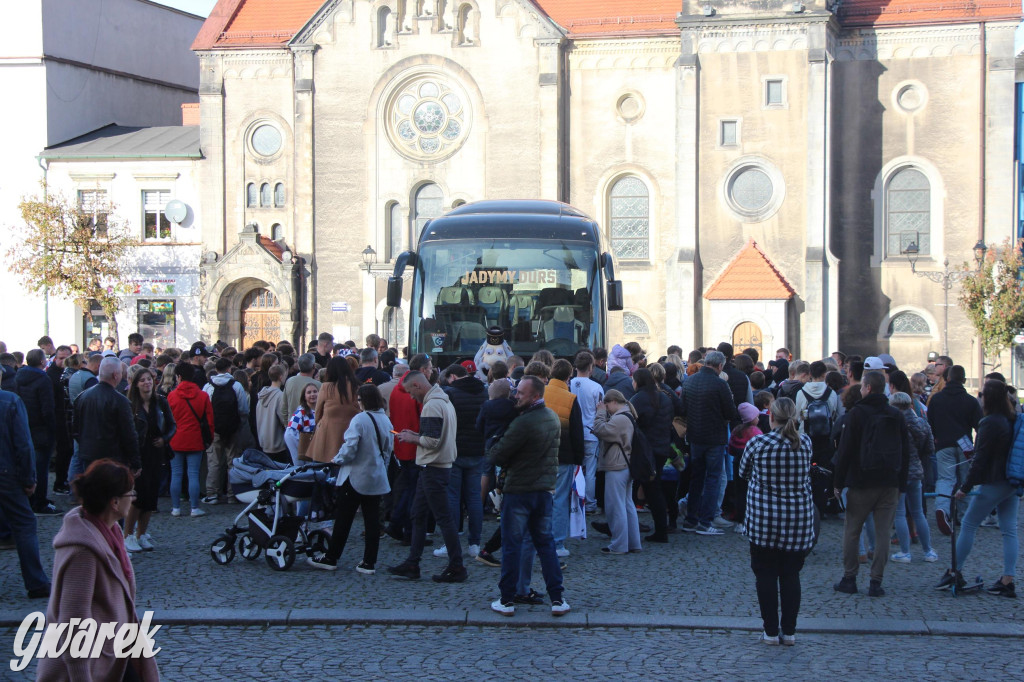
(469, 365)
(97, 354)
(887, 360)
(109, 354)
(199, 348)
(873, 362)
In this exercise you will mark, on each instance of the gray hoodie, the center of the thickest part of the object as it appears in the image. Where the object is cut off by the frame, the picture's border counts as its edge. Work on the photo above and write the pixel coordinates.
(269, 427)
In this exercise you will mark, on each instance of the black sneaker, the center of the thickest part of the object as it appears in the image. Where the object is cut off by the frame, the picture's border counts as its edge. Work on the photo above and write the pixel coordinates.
(48, 509)
(321, 561)
(875, 589)
(846, 586)
(533, 599)
(1002, 589)
(39, 593)
(451, 575)
(688, 527)
(394, 534)
(8, 544)
(488, 559)
(405, 570)
(949, 578)
(601, 527)
(61, 489)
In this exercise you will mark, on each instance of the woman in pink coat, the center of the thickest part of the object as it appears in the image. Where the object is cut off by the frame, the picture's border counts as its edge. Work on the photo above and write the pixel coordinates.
(93, 577)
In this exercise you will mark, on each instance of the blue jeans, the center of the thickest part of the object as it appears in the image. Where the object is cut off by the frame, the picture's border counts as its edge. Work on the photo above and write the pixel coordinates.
(590, 472)
(705, 479)
(951, 468)
(560, 512)
(193, 459)
(16, 512)
(75, 467)
(522, 513)
(464, 483)
(42, 476)
(913, 495)
(1003, 498)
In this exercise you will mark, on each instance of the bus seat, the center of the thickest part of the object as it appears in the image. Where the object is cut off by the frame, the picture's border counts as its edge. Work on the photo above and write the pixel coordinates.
(581, 298)
(454, 296)
(521, 306)
(469, 337)
(494, 301)
(553, 296)
(522, 331)
(563, 325)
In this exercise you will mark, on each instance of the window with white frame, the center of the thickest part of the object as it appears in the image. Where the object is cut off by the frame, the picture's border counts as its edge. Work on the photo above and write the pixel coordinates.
(634, 325)
(774, 94)
(908, 219)
(429, 204)
(251, 198)
(394, 230)
(155, 224)
(729, 133)
(629, 213)
(266, 195)
(279, 195)
(909, 324)
(94, 204)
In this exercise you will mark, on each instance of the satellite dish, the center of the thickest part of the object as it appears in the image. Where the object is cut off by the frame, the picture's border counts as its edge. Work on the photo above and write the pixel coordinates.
(176, 211)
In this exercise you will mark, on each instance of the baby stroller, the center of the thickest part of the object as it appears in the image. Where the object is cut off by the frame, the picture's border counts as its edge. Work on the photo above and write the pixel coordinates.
(271, 526)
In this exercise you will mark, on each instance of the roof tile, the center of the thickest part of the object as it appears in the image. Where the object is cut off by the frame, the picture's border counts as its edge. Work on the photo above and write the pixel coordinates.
(896, 12)
(612, 17)
(273, 247)
(750, 276)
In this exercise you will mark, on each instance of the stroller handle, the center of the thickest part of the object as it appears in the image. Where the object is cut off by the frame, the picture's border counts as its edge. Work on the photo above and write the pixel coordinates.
(319, 466)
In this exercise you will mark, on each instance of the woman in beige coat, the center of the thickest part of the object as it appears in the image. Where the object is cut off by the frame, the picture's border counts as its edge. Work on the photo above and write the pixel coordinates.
(335, 407)
(93, 577)
(614, 430)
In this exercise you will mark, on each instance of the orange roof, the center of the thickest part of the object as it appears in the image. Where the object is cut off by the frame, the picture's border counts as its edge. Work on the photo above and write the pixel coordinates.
(892, 12)
(247, 23)
(273, 247)
(750, 276)
(612, 17)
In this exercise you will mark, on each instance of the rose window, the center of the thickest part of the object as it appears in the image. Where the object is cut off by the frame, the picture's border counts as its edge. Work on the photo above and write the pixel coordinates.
(428, 119)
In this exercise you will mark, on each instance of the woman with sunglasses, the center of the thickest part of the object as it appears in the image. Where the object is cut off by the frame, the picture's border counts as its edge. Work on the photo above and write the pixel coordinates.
(93, 577)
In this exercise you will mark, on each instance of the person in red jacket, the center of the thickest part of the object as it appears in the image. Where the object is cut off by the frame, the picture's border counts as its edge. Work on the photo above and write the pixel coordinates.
(189, 405)
(405, 414)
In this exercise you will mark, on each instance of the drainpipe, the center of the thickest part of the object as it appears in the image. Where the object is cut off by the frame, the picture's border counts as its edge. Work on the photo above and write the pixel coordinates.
(983, 80)
(46, 289)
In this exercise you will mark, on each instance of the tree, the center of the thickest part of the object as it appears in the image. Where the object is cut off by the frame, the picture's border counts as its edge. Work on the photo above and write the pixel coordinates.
(76, 254)
(993, 298)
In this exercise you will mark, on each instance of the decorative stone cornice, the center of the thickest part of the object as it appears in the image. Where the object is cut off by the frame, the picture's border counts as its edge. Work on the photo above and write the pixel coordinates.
(750, 37)
(908, 42)
(635, 53)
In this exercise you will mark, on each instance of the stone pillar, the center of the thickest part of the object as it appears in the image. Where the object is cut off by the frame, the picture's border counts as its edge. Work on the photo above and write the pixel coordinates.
(683, 277)
(303, 228)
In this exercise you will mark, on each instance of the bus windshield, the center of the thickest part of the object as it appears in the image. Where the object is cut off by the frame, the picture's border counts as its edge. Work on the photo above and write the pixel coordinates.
(541, 295)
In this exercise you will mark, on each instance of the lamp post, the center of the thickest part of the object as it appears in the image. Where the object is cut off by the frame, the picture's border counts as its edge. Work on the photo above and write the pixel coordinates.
(369, 258)
(947, 278)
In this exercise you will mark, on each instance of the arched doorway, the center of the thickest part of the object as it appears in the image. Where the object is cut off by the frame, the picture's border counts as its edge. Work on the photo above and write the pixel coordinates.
(261, 317)
(747, 335)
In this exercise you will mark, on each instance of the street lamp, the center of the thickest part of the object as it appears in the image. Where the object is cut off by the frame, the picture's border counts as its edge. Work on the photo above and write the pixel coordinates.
(369, 258)
(947, 278)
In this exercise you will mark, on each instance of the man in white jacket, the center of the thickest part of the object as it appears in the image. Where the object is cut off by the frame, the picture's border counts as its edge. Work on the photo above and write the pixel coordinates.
(815, 423)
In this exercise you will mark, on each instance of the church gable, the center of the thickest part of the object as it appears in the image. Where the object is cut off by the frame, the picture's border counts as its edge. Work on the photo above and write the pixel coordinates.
(751, 276)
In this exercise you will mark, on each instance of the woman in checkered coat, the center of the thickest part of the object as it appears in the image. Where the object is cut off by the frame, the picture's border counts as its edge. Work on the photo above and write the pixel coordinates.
(780, 517)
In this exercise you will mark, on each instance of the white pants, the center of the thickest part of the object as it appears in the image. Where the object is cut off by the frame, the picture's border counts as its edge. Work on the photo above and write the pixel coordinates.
(291, 441)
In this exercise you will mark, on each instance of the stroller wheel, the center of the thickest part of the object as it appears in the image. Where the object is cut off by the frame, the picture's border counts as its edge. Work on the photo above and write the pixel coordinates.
(280, 553)
(248, 547)
(223, 549)
(318, 542)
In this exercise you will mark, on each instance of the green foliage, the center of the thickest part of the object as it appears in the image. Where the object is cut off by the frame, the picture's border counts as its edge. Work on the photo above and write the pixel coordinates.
(993, 298)
(58, 247)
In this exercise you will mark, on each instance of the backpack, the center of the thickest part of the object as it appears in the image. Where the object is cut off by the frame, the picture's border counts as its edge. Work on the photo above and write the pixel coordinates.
(641, 458)
(225, 409)
(818, 415)
(881, 444)
(1015, 458)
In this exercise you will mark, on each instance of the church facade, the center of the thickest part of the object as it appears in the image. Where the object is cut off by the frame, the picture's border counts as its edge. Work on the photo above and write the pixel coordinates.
(760, 169)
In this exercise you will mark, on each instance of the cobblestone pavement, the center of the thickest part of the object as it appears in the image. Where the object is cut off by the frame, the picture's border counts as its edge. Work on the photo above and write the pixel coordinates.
(690, 576)
(432, 652)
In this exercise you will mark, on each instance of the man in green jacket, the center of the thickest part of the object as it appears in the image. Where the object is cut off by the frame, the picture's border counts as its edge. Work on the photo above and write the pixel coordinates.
(528, 455)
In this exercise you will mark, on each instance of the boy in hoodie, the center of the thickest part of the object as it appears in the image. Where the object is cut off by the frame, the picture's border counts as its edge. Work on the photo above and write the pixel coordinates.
(799, 374)
(813, 390)
(269, 427)
(223, 451)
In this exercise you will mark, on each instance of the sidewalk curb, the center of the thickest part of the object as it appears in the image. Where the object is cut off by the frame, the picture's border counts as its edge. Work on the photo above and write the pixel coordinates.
(538, 617)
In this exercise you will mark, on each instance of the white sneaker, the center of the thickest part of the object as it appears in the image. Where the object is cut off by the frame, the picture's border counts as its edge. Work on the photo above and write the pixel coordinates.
(131, 543)
(504, 608)
(900, 557)
(720, 522)
(991, 521)
(788, 640)
(709, 530)
(441, 551)
(771, 641)
(473, 551)
(930, 556)
(146, 543)
(562, 552)
(740, 528)
(560, 607)
(198, 512)
(175, 512)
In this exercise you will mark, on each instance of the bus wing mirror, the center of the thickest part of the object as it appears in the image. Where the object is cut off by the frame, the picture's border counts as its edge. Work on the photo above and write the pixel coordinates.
(614, 294)
(395, 292)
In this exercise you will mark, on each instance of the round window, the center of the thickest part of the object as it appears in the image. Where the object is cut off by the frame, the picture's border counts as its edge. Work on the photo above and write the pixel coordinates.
(427, 118)
(754, 190)
(266, 140)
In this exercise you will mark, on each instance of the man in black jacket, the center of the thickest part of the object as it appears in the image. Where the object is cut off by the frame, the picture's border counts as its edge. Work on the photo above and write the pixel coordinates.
(467, 394)
(953, 414)
(875, 434)
(104, 420)
(36, 391)
(369, 371)
(60, 422)
(707, 405)
(739, 384)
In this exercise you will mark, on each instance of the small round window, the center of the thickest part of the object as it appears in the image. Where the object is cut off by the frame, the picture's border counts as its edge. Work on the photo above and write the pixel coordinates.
(266, 140)
(754, 190)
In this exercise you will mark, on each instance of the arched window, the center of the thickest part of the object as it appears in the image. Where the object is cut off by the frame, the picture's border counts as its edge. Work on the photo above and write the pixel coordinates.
(279, 194)
(394, 230)
(634, 325)
(384, 27)
(394, 327)
(250, 194)
(266, 199)
(908, 323)
(629, 210)
(429, 204)
(464, 29)
(907, 212)
(277, 232)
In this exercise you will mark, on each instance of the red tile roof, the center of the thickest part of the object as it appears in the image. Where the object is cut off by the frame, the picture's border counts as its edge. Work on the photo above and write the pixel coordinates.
(247, 23)
(894, 12)
(750, 276)
(273, 247)
(613, 17)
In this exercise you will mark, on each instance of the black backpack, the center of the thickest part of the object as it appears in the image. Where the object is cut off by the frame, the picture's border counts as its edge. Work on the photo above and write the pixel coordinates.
(881, 443)
(641, 458)
(818, 415)
(225, 409)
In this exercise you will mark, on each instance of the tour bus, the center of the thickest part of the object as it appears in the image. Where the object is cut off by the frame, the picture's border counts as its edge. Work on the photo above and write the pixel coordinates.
(538, 270)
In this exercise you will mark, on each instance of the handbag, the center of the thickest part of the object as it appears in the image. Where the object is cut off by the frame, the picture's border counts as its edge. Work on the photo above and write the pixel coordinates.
(204, 426)
(305, 438)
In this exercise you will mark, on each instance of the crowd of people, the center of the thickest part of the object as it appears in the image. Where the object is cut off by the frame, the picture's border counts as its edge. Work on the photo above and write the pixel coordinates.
(733, 444)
